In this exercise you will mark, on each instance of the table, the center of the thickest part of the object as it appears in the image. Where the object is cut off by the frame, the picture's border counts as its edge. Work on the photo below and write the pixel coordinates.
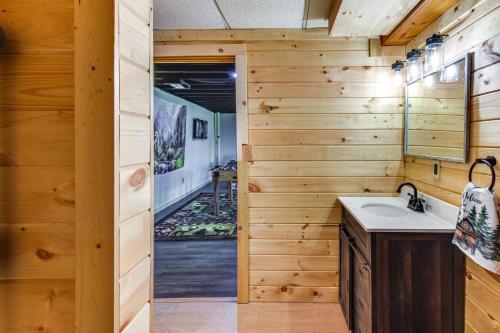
(219, 175)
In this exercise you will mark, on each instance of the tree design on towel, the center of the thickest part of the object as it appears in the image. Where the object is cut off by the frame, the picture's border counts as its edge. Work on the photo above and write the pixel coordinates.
(488, 238)
(476, 233)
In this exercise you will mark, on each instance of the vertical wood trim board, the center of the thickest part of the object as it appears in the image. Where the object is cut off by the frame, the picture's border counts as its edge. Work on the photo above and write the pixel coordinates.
(37, 167)
(243, 210)
(95, 174)
(135, 167)
(150, 308)
(478, 32)
(317, 115)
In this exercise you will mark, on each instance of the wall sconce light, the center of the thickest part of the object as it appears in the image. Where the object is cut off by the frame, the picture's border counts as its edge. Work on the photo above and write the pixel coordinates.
(434, 54)
(414, 59)
(397, 79)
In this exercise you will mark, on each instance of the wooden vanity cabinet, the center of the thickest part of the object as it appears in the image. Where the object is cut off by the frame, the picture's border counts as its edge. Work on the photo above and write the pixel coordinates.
(400, 282)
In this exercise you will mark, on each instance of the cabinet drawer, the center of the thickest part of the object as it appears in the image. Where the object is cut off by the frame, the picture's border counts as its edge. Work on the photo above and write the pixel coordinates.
(360, 236)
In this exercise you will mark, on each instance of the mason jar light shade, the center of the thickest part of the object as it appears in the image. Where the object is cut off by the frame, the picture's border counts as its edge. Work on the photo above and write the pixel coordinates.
(397, 79)
(433, 53)
(414, 60)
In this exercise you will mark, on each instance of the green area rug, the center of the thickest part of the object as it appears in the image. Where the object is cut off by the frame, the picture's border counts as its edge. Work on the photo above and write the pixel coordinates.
(196, 221)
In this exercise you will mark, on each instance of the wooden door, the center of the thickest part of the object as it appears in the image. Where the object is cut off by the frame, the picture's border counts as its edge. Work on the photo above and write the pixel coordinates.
(345, 276)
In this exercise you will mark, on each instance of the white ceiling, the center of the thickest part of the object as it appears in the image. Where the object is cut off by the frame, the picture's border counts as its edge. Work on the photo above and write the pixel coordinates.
(240, 14)
(262, 13)
(187, 14)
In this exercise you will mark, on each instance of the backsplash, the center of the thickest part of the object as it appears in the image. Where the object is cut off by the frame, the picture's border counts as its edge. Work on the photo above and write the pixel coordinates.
(434, 206)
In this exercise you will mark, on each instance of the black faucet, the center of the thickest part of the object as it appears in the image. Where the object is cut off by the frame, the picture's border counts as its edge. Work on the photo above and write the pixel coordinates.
(415, 203)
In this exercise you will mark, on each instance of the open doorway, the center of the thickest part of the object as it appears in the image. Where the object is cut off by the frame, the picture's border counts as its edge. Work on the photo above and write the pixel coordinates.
(195, 178)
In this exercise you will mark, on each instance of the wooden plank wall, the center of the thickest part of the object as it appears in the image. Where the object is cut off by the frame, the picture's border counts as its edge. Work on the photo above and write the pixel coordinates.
(135, 171)
(478, 31)
(94, 166)
(37, 187)
(320, 124)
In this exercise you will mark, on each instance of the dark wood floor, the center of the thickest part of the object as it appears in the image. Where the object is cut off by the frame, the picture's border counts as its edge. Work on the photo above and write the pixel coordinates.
(195, 269)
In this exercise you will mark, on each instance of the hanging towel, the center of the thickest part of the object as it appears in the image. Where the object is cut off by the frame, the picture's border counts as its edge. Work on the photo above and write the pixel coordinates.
(478, 229)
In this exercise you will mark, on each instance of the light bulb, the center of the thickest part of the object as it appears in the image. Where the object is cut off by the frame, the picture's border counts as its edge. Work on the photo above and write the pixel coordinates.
(435, 61)
(397, 80)
(414, 60)
(414, 72)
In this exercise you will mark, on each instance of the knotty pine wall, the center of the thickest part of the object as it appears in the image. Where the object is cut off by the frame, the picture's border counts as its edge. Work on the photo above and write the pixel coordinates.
(135, 168)
(37, 187)
(114, 183)
(478, 32)
(321, 123)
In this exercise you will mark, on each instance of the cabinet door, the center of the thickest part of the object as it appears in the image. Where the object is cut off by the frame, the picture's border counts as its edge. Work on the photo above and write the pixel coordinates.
(345, 276)
(361, 292)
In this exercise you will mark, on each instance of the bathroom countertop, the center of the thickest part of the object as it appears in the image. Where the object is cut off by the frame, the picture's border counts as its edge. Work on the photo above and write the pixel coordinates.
(412, 222)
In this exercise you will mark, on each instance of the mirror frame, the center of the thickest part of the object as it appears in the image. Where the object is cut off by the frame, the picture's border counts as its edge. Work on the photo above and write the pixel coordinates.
(467, 96)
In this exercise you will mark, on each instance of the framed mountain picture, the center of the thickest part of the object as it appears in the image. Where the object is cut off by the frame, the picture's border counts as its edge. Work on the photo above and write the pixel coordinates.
(200, 129)
(169, 135)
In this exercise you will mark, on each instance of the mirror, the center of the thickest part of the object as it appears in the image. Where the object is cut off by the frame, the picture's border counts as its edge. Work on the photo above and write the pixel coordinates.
(437, 116)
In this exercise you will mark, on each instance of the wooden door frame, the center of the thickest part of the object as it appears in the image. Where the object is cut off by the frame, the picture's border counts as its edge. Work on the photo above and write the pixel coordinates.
(243, 216)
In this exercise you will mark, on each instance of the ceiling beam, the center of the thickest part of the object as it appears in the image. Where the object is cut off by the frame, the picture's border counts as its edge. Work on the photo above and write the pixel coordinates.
(367, 18)
(334, 11)
(239, 35)
(419, 18)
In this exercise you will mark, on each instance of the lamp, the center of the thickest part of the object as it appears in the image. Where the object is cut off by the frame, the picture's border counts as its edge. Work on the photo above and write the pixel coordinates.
(397, 79)
(433, 53)
(414, 59)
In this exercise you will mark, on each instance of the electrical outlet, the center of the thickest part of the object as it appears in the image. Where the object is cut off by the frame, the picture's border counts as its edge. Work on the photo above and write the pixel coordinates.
(436, 169)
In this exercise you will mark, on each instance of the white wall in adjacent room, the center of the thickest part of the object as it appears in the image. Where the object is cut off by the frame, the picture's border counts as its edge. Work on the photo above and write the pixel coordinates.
(199, 157)
(227, 137)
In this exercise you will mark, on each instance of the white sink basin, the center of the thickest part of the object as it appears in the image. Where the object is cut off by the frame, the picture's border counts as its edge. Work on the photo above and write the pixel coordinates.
(390, 214)
(385, 210)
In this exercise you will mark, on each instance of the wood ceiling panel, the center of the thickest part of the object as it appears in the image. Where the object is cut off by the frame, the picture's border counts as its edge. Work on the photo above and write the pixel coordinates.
(420, 17)
(367, 17)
